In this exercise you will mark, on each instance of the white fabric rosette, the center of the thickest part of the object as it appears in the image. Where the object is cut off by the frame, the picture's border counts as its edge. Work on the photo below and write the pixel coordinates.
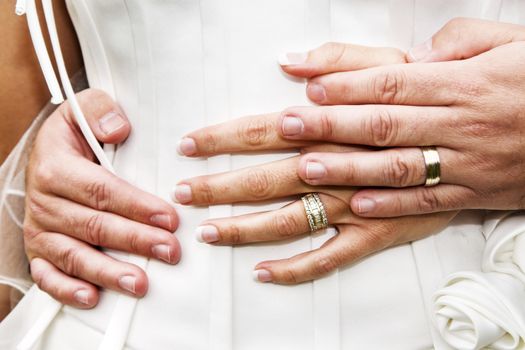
(486, 309)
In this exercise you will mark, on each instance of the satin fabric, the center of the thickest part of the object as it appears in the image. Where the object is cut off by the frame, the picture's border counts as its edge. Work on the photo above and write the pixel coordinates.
(175, 66)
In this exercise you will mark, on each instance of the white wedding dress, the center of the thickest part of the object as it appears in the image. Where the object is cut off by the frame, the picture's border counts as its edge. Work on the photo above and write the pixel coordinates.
(178, 65)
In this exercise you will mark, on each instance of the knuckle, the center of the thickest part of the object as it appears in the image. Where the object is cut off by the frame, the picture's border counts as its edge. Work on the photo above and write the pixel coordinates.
(326, 125)
(255, 132)
(204, 191)
(427, 201)
(350, 173)
(382, 128)
(256, 183)
(285, 225)
(325, 264)
(99, 195)
(388, 87)
(381, 235)
(44, 174)
(456, 23)
(335, 52)
(134, 242)
(397, 171)
(98, 98)
(69, 260)
(290, 276)
(94, 229)
(35, 206)
(233, 232)
(210, 143)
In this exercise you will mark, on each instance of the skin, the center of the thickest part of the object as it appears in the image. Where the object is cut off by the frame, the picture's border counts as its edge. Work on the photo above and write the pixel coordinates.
(357, 238)
(26, 87)
(73, 205)
(467, 84)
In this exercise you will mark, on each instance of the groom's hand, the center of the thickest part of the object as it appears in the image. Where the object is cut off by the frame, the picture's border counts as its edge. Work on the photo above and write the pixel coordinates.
(74, 206)
(470, 108)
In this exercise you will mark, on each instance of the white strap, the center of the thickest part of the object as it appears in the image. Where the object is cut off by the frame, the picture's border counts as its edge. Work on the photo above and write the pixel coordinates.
(28, 7)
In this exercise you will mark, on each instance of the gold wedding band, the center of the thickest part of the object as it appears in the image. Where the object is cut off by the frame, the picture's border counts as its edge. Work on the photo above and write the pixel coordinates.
(432, 165)
(315, 212)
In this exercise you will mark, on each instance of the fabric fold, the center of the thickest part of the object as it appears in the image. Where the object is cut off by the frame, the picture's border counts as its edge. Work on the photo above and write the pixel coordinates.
(486, 309)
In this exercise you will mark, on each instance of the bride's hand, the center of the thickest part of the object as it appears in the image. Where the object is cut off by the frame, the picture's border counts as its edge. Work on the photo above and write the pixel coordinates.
(357, 237)
(73, 205)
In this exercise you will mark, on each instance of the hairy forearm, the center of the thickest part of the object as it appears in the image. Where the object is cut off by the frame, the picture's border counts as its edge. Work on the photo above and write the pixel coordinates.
(23, 91)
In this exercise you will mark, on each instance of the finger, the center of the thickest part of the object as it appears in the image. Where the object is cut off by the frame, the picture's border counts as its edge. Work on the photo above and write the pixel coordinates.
(104, 229)
(354, 241)
(406, 84)
(272, 180)
(464, 38)
(281, 224)
(65, 289)
(413, 201)
(398, 167)
(349, 245)
(250, 133)
(80, 260)
(91, 185)
(374, 125)
(337, 57)
(105, 118)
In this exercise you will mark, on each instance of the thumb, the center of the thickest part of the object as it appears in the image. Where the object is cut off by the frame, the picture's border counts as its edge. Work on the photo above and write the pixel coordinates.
(464, 38)
(105, 118)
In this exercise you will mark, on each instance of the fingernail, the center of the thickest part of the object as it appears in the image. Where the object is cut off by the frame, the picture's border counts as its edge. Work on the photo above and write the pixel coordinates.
(262, 276)
(162, 220)
(128, 283)
(292, 126)
(162, 252)
(182, 194)
(365, 205)
(316, 92)
(419, 52)
(111, 122)
(289, 58)
(187, 147)
(207, 234)
(315, 170)
(82, 296)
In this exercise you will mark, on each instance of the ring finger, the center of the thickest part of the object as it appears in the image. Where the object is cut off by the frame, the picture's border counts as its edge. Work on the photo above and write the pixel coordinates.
(284, 223)
(399, 167)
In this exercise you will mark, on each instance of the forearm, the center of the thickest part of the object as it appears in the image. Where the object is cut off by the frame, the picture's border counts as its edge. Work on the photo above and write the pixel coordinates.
(23, 91)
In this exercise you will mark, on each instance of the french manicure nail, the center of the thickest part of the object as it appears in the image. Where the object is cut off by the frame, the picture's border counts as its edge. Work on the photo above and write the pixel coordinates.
(292, 126)
(162, 252)
(207, 234)
(128, 283)
(262, 275)
(315, 170)
(182, 194)
(162, 220)
(290, 58)
(316, 92)
(82, 296)
(419, 52)
(365, 205)
(187, 147)
(111, 122)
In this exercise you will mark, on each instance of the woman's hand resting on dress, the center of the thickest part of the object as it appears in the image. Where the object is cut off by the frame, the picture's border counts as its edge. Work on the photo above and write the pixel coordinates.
(74, 205)
(471, 109)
